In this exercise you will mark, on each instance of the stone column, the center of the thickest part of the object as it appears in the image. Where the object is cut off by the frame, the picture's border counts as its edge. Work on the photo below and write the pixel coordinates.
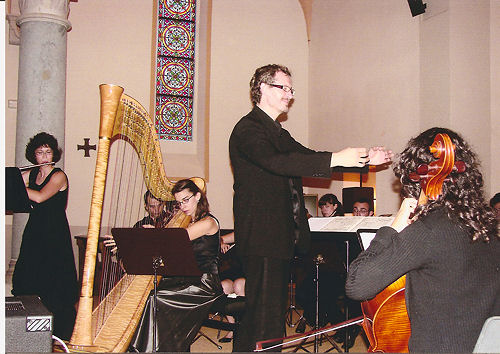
(41, 97)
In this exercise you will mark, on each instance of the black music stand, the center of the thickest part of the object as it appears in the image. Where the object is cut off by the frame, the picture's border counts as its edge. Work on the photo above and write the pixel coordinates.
(148, 251)
(351, 248)
(16, 197)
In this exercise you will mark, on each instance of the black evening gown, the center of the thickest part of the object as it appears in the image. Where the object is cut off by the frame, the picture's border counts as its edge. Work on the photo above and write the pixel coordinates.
(183, 303)
(46, 265)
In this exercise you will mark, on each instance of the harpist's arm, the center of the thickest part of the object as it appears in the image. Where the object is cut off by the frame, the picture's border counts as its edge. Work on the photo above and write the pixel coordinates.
(205, 226)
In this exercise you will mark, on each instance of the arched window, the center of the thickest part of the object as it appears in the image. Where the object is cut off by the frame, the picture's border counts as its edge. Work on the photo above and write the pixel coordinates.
(175, 69)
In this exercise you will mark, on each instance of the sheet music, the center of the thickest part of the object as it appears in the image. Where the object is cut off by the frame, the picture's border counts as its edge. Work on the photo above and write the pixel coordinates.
(317, 223)
(349, 223)
(366, 239)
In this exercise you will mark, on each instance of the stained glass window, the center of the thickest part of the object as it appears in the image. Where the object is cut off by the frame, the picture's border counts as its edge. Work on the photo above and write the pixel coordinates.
(175, 69)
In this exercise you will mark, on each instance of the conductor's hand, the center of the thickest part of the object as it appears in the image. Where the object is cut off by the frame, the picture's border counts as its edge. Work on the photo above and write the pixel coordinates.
(378, 155)
(110, 242)
(402, 218)
(350, 157)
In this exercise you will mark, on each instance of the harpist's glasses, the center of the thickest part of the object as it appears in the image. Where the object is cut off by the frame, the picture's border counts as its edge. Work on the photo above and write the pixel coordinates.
(184, 201)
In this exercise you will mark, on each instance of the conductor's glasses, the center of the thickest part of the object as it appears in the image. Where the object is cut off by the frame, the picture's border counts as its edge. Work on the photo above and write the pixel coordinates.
(287, 89)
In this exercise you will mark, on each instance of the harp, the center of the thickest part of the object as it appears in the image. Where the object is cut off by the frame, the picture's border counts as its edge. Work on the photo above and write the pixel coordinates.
(111, 325)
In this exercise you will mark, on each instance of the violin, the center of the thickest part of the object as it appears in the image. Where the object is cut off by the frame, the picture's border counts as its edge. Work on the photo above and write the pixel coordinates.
(385, 319)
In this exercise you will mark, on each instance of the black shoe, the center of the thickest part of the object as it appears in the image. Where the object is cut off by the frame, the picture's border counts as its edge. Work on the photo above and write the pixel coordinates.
(351, 342)
(353, 333)
(339, 336)
(301, 326)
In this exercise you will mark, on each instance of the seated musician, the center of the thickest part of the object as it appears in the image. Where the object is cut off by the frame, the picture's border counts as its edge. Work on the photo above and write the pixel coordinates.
(448, 248)
(362, 207)
(157, 216)
(231, 274)
(184, 302)
(330, 205)
(331, 283)
(495, 205)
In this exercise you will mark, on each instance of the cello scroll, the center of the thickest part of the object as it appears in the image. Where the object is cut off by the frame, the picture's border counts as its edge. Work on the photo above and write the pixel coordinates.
(433, 175)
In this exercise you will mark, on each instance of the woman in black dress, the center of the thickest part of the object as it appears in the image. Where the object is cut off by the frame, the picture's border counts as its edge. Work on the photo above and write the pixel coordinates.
(231, 275)
(46, 265)
(184, 302)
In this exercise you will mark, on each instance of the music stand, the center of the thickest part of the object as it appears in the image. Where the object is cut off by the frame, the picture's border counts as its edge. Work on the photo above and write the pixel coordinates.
(365, 237)
(148, 251)
(16, 197)
(321, 240)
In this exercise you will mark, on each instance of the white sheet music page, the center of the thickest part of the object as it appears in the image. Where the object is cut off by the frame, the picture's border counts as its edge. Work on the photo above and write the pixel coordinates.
(349, 223)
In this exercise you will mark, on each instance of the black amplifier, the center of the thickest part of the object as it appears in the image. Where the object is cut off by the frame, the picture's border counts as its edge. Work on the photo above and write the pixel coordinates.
(28, 325)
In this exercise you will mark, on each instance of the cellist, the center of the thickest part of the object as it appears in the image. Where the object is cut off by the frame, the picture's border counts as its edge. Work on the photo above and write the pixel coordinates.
(446, 245)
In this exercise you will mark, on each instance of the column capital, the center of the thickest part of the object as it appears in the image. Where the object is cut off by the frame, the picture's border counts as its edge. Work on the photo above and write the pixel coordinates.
(56, 11)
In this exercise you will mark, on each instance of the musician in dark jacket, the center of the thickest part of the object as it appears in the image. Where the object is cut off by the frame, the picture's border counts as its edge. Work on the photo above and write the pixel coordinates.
(269, 212)
(450, 254)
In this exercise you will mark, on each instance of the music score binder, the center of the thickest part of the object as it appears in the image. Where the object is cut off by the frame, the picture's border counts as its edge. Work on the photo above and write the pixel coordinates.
(16, 197)
(138, 247)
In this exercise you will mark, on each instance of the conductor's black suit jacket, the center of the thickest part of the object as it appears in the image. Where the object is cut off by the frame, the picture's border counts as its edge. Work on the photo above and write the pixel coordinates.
(266, 160)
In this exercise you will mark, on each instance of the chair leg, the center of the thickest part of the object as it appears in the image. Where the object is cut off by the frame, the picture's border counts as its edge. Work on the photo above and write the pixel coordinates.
(201, 334)
(221, 318)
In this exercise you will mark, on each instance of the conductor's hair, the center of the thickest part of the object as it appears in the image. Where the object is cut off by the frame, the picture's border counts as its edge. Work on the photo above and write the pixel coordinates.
(46, 140)
(264, 74)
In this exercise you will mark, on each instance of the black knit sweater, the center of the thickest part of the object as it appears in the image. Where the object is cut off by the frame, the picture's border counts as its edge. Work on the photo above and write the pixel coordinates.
(452, 285)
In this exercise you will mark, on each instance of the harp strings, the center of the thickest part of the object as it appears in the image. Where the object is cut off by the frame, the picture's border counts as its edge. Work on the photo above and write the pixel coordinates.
(125, 207)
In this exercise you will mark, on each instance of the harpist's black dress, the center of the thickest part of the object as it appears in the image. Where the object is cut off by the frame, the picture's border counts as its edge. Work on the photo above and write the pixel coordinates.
(182, 303)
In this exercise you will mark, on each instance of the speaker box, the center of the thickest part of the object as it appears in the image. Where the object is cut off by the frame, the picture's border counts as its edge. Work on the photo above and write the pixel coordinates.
(28, 325)
(417, 7)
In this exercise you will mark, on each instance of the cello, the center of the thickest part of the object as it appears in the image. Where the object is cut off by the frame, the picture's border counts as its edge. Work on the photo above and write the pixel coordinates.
(385, 319)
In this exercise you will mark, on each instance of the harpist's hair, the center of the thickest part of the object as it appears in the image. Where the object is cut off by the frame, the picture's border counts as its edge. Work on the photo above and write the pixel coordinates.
(202, 209)
(462, 197)
(42, 139)
(264, 74)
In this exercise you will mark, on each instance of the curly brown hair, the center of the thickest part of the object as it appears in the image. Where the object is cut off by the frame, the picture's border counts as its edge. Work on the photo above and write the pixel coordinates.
(42, 139)
(264, 74)
(462, 197)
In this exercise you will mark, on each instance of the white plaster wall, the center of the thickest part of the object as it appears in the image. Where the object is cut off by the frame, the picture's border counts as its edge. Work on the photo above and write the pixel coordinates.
(364, 81)
(110, 42)
(494, 168)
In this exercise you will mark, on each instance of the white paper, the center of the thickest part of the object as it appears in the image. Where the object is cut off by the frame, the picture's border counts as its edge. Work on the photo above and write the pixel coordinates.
(349, 223)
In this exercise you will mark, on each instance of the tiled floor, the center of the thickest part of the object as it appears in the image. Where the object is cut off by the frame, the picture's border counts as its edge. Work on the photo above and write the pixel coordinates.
(202, 345)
